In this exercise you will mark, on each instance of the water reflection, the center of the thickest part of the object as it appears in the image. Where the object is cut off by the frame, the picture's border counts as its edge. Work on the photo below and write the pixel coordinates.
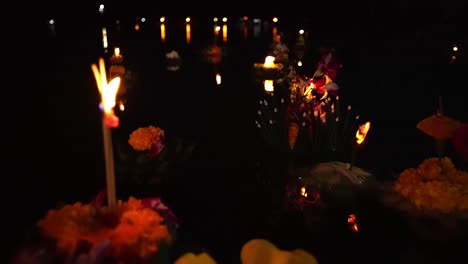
(225, 33)
(163, 29)
(188, 31)
(52, 27)
(105, 44)
(257, 27)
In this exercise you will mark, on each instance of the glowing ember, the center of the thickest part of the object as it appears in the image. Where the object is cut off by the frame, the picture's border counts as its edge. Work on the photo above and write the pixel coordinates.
(362, 132)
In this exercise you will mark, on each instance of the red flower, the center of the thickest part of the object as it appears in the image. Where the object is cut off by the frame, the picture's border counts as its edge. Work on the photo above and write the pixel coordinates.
(460, 141)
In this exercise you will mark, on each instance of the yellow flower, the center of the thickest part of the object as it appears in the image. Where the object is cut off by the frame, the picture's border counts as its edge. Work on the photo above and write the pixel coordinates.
(263, 251)
(190, 258)
(435, 185)
(142, 138)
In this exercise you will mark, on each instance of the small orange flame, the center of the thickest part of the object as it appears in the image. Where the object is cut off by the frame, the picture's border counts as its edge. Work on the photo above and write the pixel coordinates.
(352, 221)
(361, 133)
(303, 191)
(352, 218)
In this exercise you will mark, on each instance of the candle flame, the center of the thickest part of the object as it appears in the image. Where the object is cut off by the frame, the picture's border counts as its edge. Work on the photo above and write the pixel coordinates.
(352, 221)
(218, 78)
(269, 87)
(361, 133)
(303, 191)
(107, 90)
(269, 62)
(116, 51)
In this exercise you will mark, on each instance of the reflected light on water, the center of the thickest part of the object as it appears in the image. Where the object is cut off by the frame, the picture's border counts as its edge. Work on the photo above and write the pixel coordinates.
(52, 27)
(105, 44)
(225, 33)
(257, 27)
(188, 32)
(163, 32)
(275, 32)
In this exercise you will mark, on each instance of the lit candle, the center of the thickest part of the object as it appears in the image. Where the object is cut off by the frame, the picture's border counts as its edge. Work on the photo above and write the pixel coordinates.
(108, 93)
(269, 62)
(268, 85)
(361, 134)
(218, 78)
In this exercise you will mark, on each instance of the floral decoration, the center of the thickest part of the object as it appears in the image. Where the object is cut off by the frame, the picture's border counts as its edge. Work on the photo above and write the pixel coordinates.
(134, 229)
(435, 185)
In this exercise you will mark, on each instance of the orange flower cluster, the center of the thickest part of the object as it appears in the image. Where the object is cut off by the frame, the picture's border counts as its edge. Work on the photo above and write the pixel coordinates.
(435, 185)
(144, 137)
(139, 230)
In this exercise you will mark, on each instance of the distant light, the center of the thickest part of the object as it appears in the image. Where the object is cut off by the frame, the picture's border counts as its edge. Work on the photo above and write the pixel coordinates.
(162, 19)
(455, 48)
(101, 8)
(137, 27)
(224, 19)
(257, 20)
(246, 18)
(275, 19)
(299, 63)
(215, 19)
(143, 19)
(218, 79)
(51, 22)
(301, 31)
(117, 22)
(121, 106)
(217, 28)
(187, 19)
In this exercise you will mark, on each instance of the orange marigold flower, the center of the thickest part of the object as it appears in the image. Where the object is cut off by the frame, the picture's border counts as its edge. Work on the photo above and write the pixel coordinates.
(139, 232)
(143, 138)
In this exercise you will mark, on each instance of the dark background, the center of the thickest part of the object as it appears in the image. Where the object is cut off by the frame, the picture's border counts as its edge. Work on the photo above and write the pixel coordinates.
(396, 63)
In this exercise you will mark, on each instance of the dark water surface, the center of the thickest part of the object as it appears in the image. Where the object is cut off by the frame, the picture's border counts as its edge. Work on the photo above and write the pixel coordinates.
(391, 77)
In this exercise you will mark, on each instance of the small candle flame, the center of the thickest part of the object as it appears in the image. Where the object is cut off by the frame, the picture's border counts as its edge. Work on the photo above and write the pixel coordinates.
(269, 87)
(361, 133)
(352, 221)
(303, 191)
(218, 78)
(117, 51)
(269, 62)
